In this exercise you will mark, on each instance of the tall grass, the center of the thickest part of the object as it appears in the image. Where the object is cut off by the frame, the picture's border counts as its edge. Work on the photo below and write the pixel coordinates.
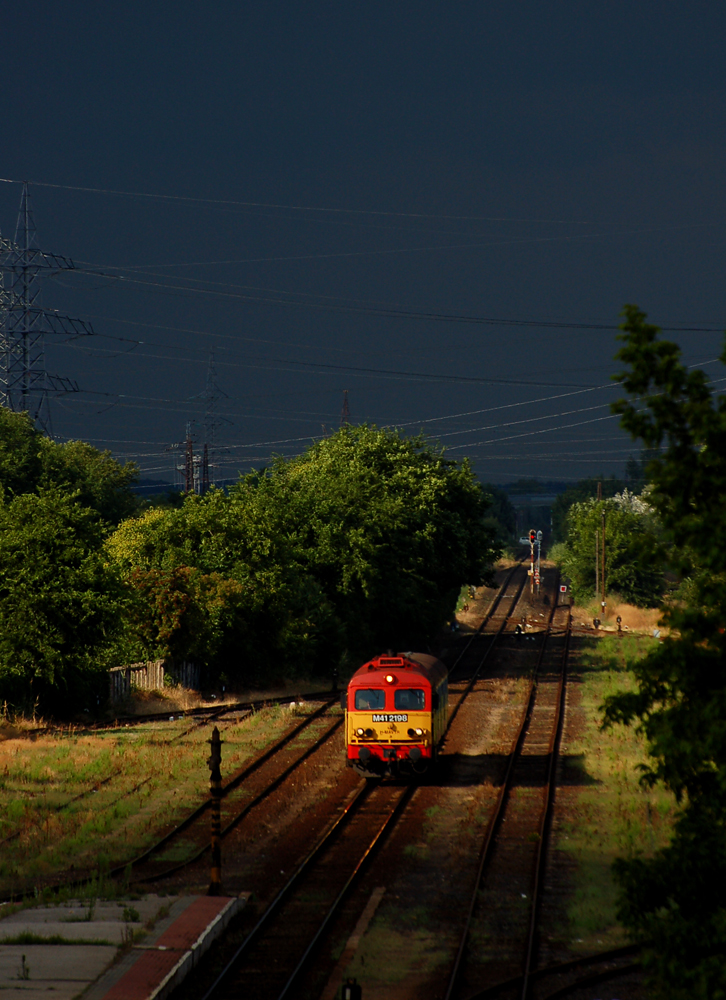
(611, 814)
(69, 802)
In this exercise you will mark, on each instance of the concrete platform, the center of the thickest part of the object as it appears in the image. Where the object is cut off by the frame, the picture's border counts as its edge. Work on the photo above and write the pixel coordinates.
(94, 954)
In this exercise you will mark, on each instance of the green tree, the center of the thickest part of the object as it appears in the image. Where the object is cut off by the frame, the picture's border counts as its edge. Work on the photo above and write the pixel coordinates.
(385, 524)
(60, 603)
(632, 553)
(213, 582)
(363, 542)
(675, 900)
(29, 462)
(20, 462)
(586, 489)
(98, 480)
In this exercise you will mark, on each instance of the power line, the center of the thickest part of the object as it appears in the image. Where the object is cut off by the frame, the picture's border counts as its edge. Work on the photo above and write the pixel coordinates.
(296, 208)
(384, 312)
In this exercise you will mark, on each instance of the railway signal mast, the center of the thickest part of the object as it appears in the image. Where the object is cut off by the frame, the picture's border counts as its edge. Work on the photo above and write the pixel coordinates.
(535, 538)
(537, 575)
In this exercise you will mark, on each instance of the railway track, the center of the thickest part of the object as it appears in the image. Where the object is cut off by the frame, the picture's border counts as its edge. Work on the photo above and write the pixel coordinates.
(275, 954)
(274, 957)
(504, 852)
(279, 950)
(241, 793)
(565, 979)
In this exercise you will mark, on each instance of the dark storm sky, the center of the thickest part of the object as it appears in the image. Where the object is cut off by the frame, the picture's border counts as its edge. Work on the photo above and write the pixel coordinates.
(313, 167)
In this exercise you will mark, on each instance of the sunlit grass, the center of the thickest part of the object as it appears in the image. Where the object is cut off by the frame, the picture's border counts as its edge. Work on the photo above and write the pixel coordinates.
(74, 802)
(613, 814)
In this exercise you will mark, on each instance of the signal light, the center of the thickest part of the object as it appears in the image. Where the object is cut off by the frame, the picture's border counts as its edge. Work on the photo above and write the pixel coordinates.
(532, 536)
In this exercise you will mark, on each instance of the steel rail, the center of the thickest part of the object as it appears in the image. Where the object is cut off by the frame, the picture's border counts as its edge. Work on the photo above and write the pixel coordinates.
(495, 636)
(323, 926)
(351, 807)
(409, 791)
(498, 811)
(210, 711)
(492, 608)
(248, 807)
(561, 968)
(545, 825)
(226, 789)
(245, 772)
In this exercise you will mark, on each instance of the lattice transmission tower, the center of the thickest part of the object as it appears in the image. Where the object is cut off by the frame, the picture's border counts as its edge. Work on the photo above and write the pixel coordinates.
(198, 471)
(25, 383)
(213, 422)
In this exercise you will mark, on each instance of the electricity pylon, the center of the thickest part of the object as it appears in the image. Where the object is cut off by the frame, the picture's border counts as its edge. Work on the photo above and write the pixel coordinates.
(25, 383)
(213, 422)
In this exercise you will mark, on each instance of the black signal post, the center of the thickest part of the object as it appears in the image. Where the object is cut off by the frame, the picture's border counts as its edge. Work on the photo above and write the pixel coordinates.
(214, 762)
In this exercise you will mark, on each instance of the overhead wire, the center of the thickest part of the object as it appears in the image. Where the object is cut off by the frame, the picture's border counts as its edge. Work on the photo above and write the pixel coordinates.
(287, 207)
(394, 312)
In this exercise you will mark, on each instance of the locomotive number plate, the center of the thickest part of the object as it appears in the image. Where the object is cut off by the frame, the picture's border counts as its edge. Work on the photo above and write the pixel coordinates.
(384, 717)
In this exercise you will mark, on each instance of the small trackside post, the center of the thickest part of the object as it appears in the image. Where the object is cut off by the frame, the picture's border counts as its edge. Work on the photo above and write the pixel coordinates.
(351, 990)
(214, 763)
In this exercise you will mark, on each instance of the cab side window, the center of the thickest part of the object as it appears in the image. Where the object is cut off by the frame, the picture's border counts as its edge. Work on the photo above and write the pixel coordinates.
(370, 699)
(410, 700)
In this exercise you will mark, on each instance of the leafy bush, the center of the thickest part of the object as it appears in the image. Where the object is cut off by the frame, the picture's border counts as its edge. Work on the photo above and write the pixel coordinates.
(633, 562)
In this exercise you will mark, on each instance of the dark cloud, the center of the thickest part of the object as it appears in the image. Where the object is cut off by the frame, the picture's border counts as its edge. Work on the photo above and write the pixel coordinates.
(537, 161)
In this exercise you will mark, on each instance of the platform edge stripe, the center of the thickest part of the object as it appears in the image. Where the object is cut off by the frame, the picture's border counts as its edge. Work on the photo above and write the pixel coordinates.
(190, 957)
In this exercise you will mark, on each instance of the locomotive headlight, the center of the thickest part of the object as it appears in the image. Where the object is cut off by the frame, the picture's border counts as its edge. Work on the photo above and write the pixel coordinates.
(390, 678)
(419, 732)
(359, 732)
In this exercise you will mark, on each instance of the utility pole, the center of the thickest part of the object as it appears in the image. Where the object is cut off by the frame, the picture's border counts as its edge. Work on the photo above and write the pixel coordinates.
(597, 563)
(345, 413)
(188, 461)
(25, 383)
(205, 471)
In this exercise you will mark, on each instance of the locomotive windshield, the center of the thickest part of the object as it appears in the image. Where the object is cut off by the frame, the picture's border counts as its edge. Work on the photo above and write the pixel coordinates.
(367, 699)
(410, 699)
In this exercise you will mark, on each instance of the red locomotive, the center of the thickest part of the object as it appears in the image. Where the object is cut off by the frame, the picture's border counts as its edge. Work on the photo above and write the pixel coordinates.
(396, 709)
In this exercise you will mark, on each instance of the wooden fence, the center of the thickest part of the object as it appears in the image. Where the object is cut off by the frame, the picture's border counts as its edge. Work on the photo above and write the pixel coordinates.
(150, 676)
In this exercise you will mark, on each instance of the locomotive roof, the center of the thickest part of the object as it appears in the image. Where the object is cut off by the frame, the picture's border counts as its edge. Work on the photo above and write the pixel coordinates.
(403, 665)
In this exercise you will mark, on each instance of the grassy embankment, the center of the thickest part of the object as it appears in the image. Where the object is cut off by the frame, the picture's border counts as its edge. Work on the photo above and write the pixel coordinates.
(79, 802)
(609, 813)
